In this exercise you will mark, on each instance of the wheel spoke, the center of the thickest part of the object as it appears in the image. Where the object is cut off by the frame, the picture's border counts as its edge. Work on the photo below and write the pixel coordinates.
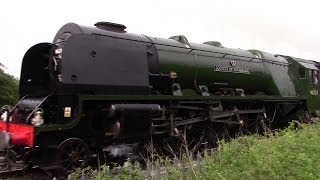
(72, 154)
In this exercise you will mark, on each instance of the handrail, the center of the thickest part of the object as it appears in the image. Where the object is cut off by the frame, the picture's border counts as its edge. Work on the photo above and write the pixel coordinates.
(36, 108)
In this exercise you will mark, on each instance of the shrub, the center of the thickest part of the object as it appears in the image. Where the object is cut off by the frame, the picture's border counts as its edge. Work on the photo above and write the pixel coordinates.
(289, 154)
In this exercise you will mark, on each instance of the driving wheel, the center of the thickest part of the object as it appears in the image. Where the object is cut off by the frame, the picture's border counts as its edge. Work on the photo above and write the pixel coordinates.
(73, 153)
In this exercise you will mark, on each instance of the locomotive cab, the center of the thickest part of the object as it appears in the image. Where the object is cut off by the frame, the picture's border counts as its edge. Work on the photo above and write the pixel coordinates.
(306, 76)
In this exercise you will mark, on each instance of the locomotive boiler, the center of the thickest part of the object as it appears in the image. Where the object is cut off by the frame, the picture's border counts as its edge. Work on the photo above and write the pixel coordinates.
(95, 87)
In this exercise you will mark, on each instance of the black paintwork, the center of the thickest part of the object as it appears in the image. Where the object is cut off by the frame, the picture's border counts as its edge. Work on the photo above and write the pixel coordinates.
(35, 77)
(105, 61)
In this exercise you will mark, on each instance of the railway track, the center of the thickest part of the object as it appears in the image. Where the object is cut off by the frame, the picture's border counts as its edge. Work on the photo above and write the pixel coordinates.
(17, 172)
(21, 174)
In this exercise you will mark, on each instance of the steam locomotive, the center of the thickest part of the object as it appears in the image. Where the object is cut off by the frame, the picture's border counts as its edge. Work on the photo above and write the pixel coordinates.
(95, 87)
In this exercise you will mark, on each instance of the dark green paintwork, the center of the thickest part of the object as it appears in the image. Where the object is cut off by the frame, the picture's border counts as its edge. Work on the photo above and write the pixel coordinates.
(194, 64)
(303, 85)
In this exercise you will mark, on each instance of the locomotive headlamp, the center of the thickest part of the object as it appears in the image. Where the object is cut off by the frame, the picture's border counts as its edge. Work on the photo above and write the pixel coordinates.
(4, 113)
(37, 119)
(241, 122)
(173, 75)
(4, 116)
(58, 51)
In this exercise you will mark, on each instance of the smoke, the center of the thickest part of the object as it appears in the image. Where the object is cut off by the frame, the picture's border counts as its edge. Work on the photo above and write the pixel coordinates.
(120, 150)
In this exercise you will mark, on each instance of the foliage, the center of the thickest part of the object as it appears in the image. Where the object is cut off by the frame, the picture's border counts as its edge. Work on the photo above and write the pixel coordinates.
(8, 89)
(128, 172)
(288, 154)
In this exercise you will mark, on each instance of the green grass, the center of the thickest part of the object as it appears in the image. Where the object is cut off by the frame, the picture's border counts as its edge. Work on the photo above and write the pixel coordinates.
(289, 154)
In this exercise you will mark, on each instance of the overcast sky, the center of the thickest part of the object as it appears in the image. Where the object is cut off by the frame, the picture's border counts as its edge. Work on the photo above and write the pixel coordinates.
(280, 27)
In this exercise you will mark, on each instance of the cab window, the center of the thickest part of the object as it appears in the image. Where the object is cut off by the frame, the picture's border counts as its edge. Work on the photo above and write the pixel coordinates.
(314, 76)
(302, 73)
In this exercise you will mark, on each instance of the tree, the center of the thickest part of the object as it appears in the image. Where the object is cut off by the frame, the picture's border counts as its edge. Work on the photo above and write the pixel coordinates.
(8, 88)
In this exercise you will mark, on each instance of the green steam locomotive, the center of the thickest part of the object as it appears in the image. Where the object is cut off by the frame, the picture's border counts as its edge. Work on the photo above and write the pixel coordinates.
(99, 87)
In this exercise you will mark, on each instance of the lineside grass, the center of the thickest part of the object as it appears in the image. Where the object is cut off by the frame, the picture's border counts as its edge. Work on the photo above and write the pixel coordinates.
(289, 154)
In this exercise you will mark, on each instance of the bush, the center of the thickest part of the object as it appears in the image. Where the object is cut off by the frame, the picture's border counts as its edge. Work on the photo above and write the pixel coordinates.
(289, 154)
(8, 89)
(131, 171)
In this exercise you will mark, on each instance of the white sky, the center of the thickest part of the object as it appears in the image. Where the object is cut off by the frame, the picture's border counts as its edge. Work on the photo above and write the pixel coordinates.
(279, 27)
